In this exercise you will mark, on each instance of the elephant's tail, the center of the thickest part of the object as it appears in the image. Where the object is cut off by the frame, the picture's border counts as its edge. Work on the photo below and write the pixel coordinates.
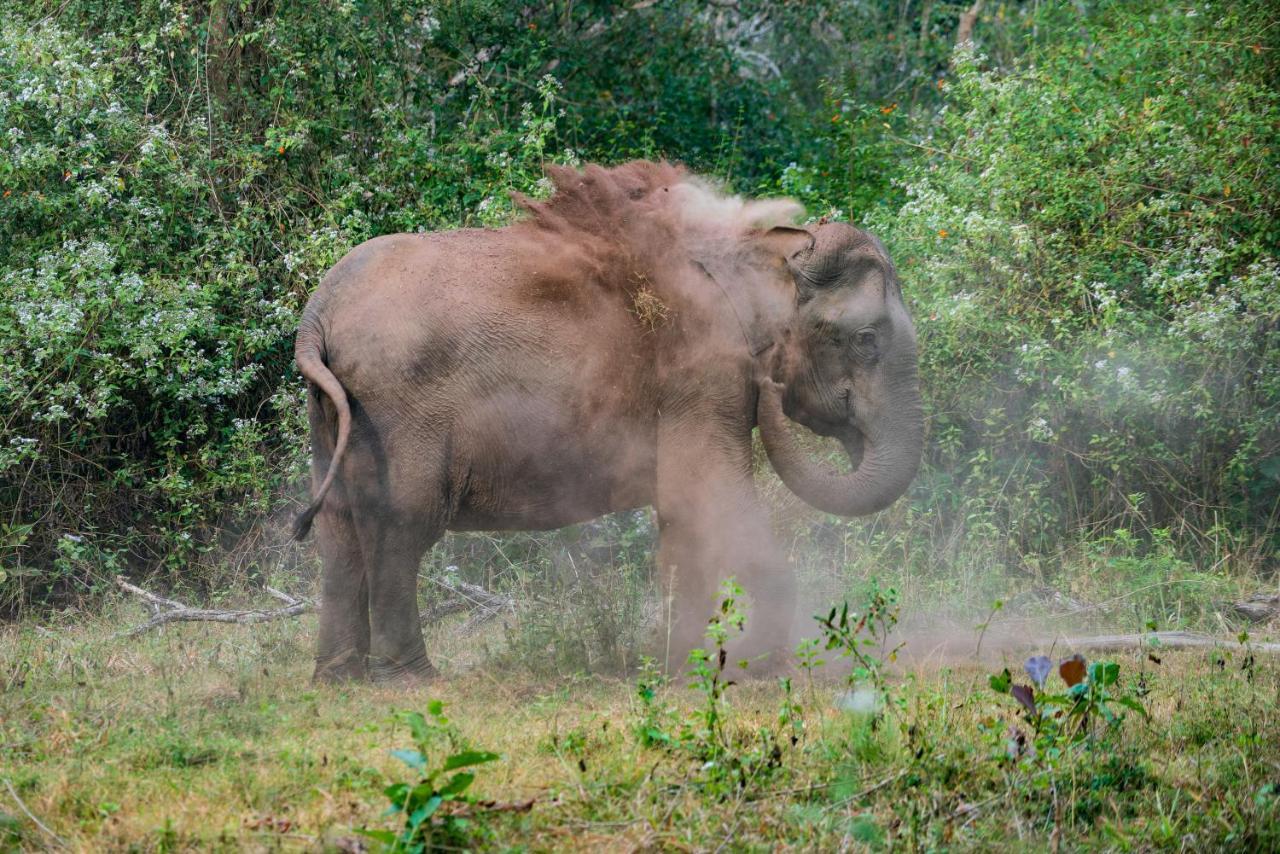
(310, 358)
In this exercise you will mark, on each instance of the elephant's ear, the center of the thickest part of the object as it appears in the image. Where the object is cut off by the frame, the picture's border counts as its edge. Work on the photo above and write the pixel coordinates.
(791, 244)
(795, 246)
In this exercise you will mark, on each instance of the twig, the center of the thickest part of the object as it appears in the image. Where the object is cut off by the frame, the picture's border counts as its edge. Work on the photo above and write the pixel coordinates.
(875, 788)
(1256, 47)
(469, 597)
(471, 809)
(38, 823)
(173, 611)
(930, 148)
(1164, 640)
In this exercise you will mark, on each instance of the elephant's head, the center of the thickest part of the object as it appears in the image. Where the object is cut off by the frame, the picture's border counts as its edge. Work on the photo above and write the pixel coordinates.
(844, 365)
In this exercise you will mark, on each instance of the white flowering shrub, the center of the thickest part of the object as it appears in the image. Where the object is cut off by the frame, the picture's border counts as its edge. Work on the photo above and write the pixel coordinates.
(175, 179)
(1090, 250)
(143, 348)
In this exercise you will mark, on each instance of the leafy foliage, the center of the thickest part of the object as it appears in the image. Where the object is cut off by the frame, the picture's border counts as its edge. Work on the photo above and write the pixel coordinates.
(1061, 719)
(728, 759)
(864, 639)
(1090, 246)
(429, 823)
(1083, 210)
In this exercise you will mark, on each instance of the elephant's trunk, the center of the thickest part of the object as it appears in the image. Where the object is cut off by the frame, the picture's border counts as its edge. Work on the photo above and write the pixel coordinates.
(885, 455)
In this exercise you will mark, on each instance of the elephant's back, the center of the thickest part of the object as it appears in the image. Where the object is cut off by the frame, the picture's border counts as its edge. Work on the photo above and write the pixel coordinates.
(480, 306)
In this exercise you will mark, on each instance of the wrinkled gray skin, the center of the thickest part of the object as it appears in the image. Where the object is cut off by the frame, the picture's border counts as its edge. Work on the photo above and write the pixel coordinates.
(480, 380)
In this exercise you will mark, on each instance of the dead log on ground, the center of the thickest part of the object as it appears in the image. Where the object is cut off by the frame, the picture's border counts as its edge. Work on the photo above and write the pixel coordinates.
(469, 597)
(1164, 640)
(172, 611)
(1259, 608)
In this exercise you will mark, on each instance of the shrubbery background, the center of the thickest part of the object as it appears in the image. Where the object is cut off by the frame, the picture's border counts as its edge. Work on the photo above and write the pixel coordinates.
(1083, 207)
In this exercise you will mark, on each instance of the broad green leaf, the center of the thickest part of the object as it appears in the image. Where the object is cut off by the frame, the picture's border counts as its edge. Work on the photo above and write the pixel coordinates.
(397, 793)
(457, 784)
(469, 757)
(412, 758)
(386, 837)
(425, 811)
(1000, 681)
(417, 726)
(1131, 703)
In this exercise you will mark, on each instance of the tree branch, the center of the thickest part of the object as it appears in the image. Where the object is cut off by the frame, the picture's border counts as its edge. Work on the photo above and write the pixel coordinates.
(469, 597)
(1165, 640)
(172, 611)
(964, 30)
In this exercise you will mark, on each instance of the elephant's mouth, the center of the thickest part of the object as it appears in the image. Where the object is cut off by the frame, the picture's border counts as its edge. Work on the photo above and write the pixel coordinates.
(855, 445)
(831, 425)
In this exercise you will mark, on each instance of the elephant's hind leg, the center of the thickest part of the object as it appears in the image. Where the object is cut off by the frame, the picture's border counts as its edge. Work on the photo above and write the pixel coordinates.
(343, 644)
(397, 651)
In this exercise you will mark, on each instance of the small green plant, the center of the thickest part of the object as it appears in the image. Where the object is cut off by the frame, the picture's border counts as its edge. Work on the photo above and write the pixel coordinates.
(1060, 720)
(705, 731)
(429, 821)
(790, 713)
(729, 759)
(864, 638)
(732, 760)
(651, 727)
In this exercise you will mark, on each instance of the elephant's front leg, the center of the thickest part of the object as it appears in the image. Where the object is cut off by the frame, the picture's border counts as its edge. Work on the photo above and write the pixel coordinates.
(688, 586)
(712, 527)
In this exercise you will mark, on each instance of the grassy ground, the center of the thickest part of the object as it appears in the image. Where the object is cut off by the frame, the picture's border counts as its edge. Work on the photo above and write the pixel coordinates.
(211, 737)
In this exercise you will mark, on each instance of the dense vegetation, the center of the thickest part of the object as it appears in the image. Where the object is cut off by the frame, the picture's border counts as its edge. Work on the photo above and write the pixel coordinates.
(1083, 208)
(1083, 205)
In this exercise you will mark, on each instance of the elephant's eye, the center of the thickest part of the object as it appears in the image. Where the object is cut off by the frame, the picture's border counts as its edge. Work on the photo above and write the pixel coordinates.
(866, 339)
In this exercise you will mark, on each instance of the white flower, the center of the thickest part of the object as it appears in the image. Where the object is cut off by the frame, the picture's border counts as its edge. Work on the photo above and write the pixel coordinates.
(1039, 430)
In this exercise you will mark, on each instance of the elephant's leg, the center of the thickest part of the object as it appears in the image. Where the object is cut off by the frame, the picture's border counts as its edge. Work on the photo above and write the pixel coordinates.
(770, 583)
(343, 640)
(394, 544)
(712, 528)
(688, 589)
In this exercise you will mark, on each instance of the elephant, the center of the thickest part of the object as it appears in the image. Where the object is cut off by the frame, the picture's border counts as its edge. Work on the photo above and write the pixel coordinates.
(614, 348)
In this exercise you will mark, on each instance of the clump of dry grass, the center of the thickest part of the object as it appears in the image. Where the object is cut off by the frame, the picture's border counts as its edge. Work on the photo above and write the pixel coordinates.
(647, 306)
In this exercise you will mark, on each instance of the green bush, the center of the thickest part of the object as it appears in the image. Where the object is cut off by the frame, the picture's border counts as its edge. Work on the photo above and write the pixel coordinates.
(1090, 248)
(178, 178)
(1084, 216)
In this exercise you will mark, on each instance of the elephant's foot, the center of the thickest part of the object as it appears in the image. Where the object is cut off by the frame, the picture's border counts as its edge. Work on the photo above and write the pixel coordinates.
(417, 670)
(348, 666)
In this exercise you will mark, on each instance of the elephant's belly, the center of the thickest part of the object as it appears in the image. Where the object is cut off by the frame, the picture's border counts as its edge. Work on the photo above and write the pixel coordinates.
(544, 471)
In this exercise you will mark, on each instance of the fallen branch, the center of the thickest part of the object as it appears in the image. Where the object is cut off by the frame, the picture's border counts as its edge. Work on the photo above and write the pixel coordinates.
(172, 611)
(1164, 640)
(1259, 607)
(469, 597)
(467, 810)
